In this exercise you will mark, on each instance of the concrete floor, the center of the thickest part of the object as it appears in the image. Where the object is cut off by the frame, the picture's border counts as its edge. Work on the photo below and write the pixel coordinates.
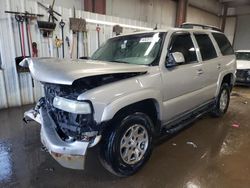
(221, 158)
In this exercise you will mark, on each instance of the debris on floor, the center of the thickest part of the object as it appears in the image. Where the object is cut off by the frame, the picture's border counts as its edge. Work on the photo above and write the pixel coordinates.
(43, 148)
(174, 144)
(236, 125)
(50, 169)
(204, 155)
(245, 102)
(192, 144)
(235, 94)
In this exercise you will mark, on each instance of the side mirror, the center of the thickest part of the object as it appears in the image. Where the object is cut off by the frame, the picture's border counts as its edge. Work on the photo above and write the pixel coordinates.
(175, 59)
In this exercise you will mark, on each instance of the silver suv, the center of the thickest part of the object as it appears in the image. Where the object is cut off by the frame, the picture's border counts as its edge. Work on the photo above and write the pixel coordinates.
(134, 89)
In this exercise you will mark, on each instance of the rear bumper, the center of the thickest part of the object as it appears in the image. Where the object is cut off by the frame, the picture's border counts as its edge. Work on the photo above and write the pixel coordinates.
(69, 154)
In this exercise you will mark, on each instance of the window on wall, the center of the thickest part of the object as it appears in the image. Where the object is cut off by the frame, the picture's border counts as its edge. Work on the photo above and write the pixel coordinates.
(223, 43)
(182, 42)
(206, 46)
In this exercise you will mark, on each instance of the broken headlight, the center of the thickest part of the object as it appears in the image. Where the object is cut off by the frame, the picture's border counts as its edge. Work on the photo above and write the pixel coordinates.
(72, 106)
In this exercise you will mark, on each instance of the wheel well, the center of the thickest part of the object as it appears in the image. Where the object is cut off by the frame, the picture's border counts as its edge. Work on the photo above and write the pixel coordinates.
(228, 79)
(147, 106)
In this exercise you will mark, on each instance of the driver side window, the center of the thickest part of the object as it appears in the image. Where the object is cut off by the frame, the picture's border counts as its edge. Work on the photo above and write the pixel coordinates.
(182, 42)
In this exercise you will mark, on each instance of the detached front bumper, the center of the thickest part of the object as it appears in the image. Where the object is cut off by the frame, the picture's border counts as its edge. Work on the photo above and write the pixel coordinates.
(69, 154)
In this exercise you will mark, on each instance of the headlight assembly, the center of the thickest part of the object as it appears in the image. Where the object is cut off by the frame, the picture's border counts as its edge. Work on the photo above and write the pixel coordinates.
(72, 106)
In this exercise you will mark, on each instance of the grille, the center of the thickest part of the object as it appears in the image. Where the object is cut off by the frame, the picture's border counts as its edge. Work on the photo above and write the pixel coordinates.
(69, 123)
(242, 75)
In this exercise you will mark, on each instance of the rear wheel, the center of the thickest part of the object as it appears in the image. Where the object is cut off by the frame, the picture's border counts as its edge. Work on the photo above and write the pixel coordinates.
(222, 101)
(128, 145)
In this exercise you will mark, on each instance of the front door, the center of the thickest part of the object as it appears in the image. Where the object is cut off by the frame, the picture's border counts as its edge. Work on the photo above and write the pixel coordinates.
(182, 84)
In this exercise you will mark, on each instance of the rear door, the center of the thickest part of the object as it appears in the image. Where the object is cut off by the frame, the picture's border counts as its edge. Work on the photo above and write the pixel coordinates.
(183, 83)
(211, 64)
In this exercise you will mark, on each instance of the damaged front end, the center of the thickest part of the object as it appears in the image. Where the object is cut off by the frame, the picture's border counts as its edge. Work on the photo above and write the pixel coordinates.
(68, 126)
(67, 131)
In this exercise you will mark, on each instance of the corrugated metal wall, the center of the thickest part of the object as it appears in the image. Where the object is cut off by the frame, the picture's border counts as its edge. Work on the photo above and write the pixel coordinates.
(196, 15)
(16, 88)
(151, 11)
(242, 39)
(230, 28)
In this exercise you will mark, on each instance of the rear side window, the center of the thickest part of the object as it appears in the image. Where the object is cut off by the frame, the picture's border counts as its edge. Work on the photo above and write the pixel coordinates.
(223, 43)
(182, 42)
(206, 46)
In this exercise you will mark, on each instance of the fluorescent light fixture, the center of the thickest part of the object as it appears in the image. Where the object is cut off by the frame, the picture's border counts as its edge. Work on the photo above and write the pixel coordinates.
(113, 23)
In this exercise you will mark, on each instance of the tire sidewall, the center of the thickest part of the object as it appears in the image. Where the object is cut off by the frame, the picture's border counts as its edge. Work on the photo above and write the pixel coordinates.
(225, 87)
(117, 163)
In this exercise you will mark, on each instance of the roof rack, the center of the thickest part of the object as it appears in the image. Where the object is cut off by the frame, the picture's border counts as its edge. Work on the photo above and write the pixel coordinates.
(192, 25)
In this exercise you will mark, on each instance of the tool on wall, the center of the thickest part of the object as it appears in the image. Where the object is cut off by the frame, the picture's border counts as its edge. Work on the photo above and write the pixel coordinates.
(76, 25)
(68, 43)
(67, 40)
(28, 34)
(156, 27)
(117, 30)
(85, 43)
(58, 44)
(22, 17)
(98, 29)
(20, 20)
(34, 49)
(47, 27)
(62, 24)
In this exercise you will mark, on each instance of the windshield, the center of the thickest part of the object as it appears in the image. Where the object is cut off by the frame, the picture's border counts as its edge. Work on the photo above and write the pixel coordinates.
(243, 56)
(140, 49)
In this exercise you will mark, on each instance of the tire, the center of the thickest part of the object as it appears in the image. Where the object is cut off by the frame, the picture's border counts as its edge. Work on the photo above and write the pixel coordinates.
(122, 151)
(222, 101)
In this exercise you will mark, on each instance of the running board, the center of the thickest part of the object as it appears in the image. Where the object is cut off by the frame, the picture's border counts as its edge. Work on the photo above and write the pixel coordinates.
(184, 120)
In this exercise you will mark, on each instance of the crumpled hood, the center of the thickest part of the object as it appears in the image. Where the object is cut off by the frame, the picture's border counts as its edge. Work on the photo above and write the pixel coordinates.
(243, 64)
(66, 71)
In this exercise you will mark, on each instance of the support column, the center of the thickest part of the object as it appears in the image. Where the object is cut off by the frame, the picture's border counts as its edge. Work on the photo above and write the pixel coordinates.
(224, 17)
(88, 5)
(181, 12)
(95, 6)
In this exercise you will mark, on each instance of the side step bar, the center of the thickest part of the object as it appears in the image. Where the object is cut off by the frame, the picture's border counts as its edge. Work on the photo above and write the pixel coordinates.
(181, 122)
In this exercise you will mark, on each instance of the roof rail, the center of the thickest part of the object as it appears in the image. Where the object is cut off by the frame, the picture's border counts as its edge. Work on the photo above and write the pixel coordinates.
(188, 25)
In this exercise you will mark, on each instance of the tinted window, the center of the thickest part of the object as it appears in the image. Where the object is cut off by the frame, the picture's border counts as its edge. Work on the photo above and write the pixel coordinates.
(183, 43)
(243, 56)
(223, 43)
(206, 46)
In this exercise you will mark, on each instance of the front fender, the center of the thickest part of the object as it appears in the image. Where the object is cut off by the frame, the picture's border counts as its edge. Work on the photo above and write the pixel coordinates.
(221, 76)
(112, 108)
(109, 99)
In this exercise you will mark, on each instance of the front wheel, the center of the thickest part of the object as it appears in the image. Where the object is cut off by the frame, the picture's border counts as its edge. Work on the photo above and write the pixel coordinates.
(128, 145)
(222, 101)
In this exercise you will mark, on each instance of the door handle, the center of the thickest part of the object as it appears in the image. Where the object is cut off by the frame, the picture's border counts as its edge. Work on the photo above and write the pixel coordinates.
(219, 66)
(200, 71)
